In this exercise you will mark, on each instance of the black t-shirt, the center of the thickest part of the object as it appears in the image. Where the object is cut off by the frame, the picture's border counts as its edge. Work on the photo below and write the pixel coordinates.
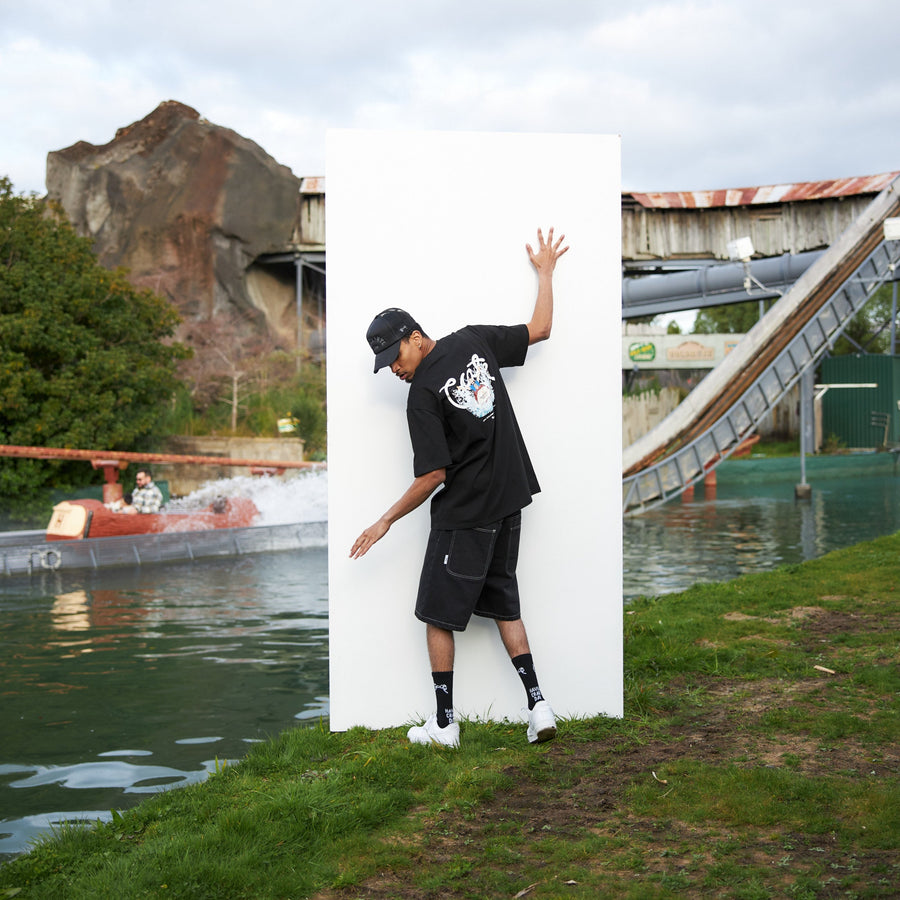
(461, 419)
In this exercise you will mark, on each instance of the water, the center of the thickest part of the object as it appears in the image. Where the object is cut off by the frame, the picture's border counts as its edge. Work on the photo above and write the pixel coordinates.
(752, 528)
(281, 501)
(120, 683)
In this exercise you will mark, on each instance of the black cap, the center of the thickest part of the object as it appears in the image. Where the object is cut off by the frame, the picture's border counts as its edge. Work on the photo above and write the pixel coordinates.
(388, 328)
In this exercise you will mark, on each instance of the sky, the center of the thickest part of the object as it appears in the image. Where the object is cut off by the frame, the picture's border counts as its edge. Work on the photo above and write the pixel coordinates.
(704, 94)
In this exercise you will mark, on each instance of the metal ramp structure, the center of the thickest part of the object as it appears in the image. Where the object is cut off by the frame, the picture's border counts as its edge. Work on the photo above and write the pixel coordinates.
(793, 336)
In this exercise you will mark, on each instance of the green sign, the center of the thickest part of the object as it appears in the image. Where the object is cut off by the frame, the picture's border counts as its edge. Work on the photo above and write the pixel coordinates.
(644, 351)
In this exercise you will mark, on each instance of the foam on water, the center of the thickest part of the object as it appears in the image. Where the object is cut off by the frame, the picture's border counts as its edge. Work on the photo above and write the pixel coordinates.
(280, 499)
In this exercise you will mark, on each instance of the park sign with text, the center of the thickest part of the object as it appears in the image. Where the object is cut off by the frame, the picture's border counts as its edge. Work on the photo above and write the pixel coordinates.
(676, 351)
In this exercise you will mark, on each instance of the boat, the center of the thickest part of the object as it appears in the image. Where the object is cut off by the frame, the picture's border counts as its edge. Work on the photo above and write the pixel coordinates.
(75, 520)
(169, 538)
(29, 554)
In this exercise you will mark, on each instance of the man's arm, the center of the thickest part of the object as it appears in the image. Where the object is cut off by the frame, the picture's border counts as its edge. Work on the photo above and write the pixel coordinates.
(416, 494)
(544, 262)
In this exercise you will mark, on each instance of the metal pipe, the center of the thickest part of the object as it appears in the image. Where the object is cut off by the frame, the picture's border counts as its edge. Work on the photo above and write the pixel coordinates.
(713, 285)
(802, 491)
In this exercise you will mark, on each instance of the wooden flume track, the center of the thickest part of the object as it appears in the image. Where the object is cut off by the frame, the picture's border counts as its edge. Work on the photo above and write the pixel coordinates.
(725, 408)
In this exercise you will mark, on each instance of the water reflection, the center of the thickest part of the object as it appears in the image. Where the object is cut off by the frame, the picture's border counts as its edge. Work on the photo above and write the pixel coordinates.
(117, 684)
(70, 612)
(752, 529)
(130, 777)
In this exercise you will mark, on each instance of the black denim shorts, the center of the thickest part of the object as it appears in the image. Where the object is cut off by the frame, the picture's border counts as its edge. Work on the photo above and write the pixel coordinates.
(471, 570)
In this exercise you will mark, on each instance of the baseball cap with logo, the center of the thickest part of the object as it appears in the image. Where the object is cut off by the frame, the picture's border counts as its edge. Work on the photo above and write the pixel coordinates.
(388, 328)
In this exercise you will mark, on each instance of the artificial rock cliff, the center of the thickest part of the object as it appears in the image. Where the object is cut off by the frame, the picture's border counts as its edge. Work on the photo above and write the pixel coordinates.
(187, 206)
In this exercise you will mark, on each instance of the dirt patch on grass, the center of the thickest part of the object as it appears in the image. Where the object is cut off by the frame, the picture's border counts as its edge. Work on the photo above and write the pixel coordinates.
(575, 795)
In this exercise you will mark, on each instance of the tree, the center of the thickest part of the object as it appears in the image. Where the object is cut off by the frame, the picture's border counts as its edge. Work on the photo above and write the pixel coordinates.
(733, 318)
(867, 332)
(229, 363)
(85, 357)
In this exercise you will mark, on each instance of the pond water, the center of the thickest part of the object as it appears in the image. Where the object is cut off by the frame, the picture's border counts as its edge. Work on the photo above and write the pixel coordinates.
(120, 683)
(752, 528)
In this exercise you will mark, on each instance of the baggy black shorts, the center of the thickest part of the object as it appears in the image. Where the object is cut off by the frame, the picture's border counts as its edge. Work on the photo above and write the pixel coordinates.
(471, 570)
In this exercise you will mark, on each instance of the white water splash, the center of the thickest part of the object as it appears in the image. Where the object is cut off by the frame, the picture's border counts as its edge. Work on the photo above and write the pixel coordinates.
(280, 499)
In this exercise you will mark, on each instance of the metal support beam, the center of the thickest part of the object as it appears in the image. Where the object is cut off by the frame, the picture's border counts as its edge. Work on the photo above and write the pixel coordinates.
(298, 263)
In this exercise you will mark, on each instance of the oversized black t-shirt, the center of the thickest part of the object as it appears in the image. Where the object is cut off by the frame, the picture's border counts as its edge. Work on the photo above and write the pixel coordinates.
(461, 419)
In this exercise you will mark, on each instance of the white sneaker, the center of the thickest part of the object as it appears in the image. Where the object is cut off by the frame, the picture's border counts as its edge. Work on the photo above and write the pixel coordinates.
(430, 733)
(541, 723)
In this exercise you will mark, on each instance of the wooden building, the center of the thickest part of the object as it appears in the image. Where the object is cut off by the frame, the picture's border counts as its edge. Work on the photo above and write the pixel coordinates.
(785, 218)
(662, 232)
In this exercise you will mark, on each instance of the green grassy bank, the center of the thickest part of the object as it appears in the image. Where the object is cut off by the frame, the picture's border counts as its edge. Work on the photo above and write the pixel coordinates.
(759, 756)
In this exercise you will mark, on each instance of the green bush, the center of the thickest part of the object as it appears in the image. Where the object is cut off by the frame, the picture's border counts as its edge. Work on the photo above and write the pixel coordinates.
(301, 396)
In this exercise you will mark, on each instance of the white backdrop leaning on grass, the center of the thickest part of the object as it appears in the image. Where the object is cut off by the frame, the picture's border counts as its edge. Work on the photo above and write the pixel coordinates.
(437, 223)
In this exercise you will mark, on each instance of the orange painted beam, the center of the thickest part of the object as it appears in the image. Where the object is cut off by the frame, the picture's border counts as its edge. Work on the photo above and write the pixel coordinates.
(116, 457)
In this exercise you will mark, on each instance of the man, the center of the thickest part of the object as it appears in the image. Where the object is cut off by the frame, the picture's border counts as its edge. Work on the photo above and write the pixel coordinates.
(147, 497)
(466, 441)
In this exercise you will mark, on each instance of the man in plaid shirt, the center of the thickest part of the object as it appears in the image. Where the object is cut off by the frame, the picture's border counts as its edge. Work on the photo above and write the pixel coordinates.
(147, 496)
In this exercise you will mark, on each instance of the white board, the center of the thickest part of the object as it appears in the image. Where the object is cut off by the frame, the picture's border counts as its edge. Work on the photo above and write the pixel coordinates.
(436, 223)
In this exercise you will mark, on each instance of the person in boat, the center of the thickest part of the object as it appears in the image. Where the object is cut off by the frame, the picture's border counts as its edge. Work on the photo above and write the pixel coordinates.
(147, 497)
(124, 505)
(466, 441)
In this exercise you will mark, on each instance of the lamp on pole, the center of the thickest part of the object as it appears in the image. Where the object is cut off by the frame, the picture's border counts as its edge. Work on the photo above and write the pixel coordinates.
(741, 250)
(892, 233)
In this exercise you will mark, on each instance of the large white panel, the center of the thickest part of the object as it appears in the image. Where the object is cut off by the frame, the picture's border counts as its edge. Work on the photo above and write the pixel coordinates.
(436, 223)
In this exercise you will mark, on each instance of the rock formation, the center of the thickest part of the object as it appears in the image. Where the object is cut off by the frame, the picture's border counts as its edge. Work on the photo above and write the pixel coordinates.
(188, 206)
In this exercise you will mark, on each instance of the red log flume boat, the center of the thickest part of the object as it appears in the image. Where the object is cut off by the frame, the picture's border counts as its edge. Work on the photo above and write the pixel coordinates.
(74, 520)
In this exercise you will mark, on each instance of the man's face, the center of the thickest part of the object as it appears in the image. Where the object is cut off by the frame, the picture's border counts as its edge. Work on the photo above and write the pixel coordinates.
(141, 479)
(408, 357)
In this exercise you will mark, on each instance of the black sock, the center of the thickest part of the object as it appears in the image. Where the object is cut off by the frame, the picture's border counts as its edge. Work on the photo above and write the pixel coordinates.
(443, 695)
(525, 667)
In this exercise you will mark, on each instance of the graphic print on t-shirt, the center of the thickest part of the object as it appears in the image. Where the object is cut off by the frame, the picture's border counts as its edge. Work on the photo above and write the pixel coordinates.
(474, 393)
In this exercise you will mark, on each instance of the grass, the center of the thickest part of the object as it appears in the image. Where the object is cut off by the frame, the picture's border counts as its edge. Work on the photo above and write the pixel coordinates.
(757, 758)
(776, 449)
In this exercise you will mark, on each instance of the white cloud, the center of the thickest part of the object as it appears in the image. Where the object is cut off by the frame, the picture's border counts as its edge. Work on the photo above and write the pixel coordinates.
(705, 93)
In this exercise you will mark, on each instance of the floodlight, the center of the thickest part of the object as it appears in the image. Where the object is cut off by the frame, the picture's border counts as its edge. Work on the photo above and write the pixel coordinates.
(892, 229)
(740, 249)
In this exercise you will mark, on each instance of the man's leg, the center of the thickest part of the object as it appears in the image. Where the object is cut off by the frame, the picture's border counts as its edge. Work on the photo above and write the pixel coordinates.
(439, 728)
(514, 637)
(441, 650)
(445, 600)
(541, 720)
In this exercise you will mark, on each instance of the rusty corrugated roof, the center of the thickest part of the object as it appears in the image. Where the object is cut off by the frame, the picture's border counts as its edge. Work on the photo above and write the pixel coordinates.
(773, 193)
(312, 184)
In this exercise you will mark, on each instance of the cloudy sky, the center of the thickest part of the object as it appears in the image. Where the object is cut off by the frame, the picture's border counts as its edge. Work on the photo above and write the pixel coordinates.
(705, 94)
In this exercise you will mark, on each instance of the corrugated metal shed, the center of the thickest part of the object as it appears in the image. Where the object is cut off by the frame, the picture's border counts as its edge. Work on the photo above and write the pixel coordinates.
(312, 184)
(779, 219)
(767, 194)
(666, 225)
(696, 225)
